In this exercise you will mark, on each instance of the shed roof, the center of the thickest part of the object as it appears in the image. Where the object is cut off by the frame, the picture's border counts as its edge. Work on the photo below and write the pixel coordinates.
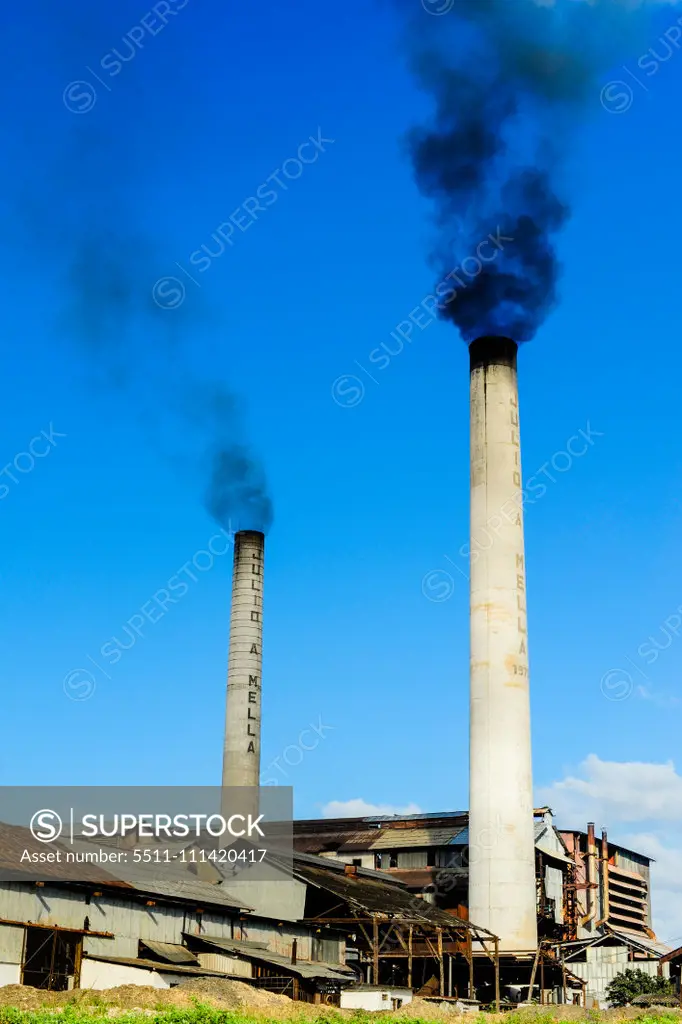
(170, 951)
(257, 951)
(380, 896)
(405, 838)
(192, 890)
(646, 944)
(154, 965)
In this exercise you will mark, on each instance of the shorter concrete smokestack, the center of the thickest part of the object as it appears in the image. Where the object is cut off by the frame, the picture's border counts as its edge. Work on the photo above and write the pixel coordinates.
(241, 757)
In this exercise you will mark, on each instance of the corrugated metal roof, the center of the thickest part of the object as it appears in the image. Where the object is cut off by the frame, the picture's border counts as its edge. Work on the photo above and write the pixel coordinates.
(417, 817)
(171, 951)
(15, 840)
(194, 890)
(364, 840)
(379, 896)
(462, 839)
(256, 951)
(643, 941)
(154, 965)
(333, 864)
(408, 838)
(543, 845)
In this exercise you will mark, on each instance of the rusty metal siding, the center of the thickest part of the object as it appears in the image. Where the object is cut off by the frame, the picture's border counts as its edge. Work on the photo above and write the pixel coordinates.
(228, 964)
(44, 905)
(632, 862)
(640, 866)
(131, 921)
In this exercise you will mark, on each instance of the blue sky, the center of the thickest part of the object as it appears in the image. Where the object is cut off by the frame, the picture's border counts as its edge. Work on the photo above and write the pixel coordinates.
(369, 498)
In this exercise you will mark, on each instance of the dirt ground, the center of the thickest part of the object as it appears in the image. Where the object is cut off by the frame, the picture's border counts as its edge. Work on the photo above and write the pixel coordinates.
(238, 996)
(225, 995)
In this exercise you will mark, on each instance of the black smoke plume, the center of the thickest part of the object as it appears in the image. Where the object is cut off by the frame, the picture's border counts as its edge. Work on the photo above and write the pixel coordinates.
(507, 78)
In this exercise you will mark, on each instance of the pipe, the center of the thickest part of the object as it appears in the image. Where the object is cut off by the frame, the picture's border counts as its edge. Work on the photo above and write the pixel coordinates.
(604, 879)
(502, 890)
(589, 891)
(241, 757)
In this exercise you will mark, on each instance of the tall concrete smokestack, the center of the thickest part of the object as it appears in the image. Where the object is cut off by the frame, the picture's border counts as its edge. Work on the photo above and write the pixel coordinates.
(241, 757)
(501, 833)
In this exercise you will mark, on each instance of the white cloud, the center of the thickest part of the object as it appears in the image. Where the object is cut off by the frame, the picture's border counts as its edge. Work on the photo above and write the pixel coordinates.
(359, 808)
(616, 791)
(613, 793)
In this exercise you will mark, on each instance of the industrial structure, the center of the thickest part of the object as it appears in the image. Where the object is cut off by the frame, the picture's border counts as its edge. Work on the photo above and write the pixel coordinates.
(241, 756)
(490, 904)
(502, 875)
(310, 933)
(592, 900)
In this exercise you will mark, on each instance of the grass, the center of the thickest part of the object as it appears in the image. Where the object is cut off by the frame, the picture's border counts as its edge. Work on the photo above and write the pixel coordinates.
(94, 1010)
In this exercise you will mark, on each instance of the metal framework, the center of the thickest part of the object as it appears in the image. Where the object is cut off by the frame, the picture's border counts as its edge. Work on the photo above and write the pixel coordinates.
(383, 936)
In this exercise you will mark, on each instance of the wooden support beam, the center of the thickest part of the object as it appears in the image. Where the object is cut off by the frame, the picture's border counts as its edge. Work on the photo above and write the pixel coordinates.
(441, 979)
(409, 957)
(533, 973)
(375, 950)
(470, 954)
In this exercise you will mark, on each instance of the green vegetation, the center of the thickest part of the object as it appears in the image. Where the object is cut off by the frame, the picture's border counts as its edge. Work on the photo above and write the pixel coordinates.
(631, 983)
(92, 1010)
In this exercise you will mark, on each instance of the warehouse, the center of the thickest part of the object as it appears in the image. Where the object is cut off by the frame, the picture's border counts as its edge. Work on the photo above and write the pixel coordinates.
(593, 899)
(84, 927)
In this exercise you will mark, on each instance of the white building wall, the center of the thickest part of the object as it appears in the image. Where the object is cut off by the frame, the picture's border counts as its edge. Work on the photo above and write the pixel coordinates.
(11, 947)
(11, 944)
(10, 974)
(373, 998)
(99, 975)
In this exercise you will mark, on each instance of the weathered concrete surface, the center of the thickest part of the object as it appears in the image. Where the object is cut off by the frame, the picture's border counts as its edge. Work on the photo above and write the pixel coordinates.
(502, 872)
(241, 757)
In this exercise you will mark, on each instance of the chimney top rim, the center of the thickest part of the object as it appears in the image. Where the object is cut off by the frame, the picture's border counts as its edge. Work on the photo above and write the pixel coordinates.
(493, 350)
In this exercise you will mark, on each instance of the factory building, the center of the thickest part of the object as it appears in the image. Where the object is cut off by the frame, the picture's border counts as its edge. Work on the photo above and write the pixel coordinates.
(309, 934)
(592, 900)
(89, 928)
(484, 904)
(432, 853)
